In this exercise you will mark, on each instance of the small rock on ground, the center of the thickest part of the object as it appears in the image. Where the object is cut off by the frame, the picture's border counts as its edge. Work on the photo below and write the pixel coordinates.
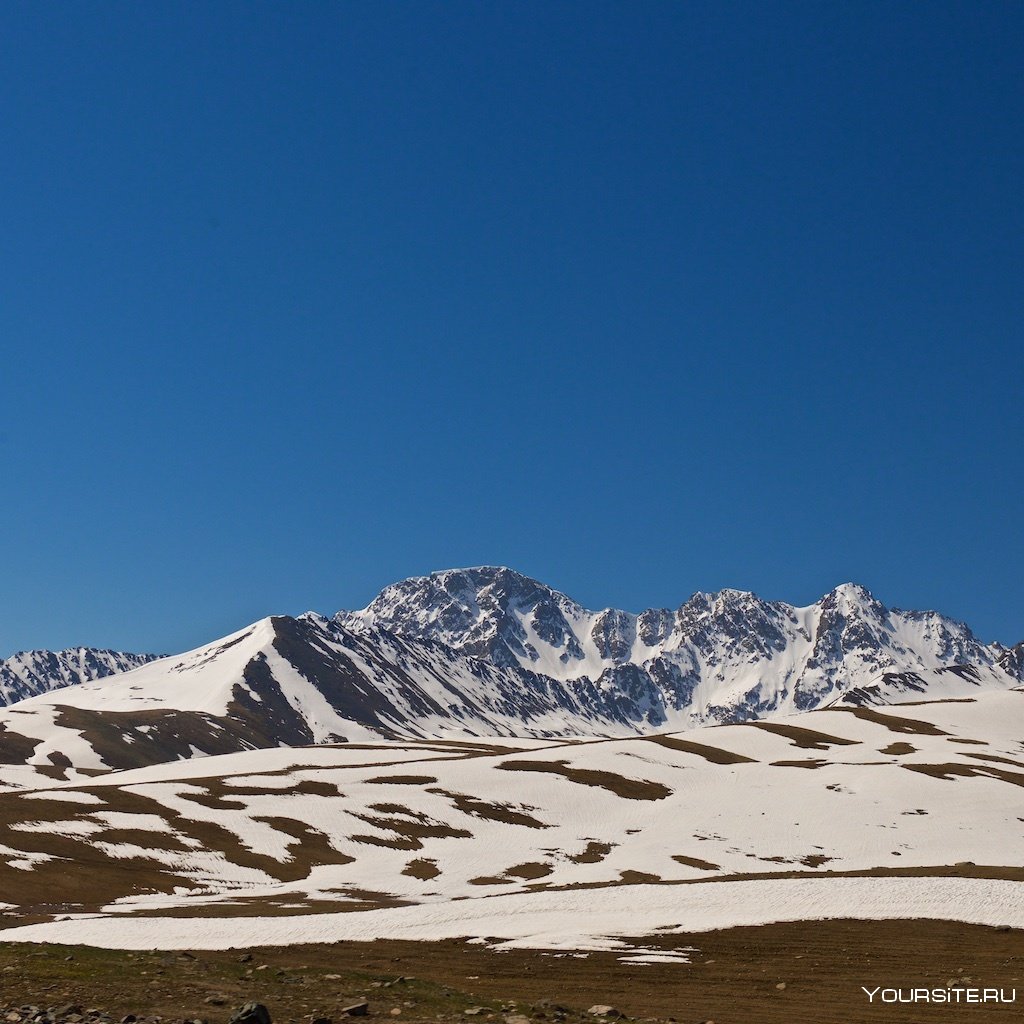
(251, 1013)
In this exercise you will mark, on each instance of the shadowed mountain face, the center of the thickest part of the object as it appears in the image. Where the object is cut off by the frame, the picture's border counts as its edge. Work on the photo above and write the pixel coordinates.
(32, 672)
(486, 652)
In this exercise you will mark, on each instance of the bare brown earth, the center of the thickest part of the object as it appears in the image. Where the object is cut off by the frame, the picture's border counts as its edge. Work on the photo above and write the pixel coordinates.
(809, 739)
(713, 754)
(804, 973)
(628, 789)
(911, 726)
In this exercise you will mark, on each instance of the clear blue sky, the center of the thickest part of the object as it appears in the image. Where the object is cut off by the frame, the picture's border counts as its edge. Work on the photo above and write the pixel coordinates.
(302, 298)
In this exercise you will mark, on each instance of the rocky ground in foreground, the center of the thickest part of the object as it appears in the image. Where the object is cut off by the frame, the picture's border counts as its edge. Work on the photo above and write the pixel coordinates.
(806, 973)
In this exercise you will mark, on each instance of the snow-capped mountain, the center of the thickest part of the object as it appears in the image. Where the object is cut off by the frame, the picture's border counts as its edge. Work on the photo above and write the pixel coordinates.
(32, 672)
(489, 653)
(719, 657)
(296, 681)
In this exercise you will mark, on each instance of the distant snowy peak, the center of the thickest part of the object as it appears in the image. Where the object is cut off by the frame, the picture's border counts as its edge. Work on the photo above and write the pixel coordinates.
(32, 672)
(485, 612)
(721, 656)
(1011, 661)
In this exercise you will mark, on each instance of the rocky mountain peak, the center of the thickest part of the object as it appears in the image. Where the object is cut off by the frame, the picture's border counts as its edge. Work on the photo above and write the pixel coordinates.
(730, 617)
(852, 600)
(490, 612)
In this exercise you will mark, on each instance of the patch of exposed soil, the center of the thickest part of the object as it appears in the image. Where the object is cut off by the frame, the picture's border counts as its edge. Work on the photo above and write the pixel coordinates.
(404, 780)
(593, 854)
(895, 723)
(900, 747)
(628, 789)
(695, 862)
(716, 755)
(423, 868)
(477, 808)
(799, 736)
(949, 771)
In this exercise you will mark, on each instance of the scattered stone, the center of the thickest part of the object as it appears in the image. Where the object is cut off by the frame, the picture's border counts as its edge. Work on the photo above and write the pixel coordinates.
(245, 958)
(603, 1011)
(474, 1011)
(396, 1011)
(251, 1013)
(322, 1020)
(332, 977)
(516, 1018)
(781, 986)
(357, 1009)
(216, 1000)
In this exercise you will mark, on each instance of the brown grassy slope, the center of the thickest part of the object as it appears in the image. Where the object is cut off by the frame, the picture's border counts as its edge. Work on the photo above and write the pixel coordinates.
(733, 977)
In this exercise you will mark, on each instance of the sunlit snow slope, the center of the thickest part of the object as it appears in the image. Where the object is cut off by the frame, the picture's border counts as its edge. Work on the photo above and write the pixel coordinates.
(920, 805)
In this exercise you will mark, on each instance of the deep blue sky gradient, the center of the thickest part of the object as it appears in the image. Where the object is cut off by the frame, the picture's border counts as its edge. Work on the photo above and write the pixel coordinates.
(299, 299)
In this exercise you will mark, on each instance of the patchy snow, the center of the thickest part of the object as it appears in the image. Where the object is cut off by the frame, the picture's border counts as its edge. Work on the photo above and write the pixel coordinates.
(70, 796)
(462, 827)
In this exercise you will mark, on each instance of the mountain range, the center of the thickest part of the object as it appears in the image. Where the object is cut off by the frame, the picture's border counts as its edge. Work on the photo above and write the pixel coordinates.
(486, 652)
(32, 672)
